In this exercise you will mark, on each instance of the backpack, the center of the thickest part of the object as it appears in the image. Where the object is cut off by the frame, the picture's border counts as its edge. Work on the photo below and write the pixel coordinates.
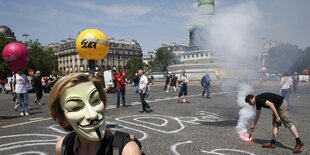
(120, 139)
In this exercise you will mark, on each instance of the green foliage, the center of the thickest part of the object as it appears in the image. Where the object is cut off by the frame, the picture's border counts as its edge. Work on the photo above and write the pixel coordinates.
(283, 58)
(40, 59)
(303, 60)
(4, 70)
(133, 65)
(163, 58)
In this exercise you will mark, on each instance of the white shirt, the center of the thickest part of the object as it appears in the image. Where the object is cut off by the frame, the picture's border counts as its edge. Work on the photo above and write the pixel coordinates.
(286, 82)
(143, 82)
(20, 83)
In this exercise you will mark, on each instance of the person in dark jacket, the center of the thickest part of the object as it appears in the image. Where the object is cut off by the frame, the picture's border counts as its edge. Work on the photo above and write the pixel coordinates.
(37, 85)
(136, 81)
(206, 84)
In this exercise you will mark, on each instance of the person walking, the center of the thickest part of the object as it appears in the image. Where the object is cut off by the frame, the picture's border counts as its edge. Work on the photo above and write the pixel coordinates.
(295, 81)
(278, 106)
(143, 85)
(173, 82)
(120, 88)
(20, 87)
(52, 79)
(136, 81)
(43, 81)
(37, 85)
(167, 84)
(183, 81)
(148, 94)
(286, 85)
(12, 86)
(206, 84)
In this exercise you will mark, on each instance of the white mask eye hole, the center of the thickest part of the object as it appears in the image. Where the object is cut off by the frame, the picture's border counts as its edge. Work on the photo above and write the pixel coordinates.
(96, 102)
(76, 109)
(74, 105)
(95, 98)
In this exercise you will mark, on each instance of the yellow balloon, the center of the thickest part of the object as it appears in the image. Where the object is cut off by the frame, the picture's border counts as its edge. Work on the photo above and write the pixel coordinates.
(92, 44)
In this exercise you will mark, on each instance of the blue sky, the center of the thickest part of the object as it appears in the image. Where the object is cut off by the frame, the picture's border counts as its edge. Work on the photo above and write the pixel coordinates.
(149, 22)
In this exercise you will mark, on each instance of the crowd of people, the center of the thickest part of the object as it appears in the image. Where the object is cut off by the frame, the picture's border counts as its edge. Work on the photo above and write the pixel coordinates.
(20, 84)
(65, 88)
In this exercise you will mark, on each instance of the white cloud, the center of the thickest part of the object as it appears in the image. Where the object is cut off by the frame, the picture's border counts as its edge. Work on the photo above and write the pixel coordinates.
(115, 11)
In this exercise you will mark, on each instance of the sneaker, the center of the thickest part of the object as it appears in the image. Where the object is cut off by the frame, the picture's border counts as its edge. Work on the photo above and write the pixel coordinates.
(22, 114)
(148, 111)
(142, 111)
(298, 148)
(16, 107)
(27, 114)
(269, 145)
(178, 101)
(39, 103)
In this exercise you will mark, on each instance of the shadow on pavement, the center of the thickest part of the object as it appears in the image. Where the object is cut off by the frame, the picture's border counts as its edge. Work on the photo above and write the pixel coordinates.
(278, 144)
(8, 117)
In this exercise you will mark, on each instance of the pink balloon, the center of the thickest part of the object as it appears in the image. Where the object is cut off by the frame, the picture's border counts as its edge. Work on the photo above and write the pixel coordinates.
(16, 55)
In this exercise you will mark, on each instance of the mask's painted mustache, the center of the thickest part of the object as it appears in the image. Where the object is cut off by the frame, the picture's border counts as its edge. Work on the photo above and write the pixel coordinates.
(92, 122)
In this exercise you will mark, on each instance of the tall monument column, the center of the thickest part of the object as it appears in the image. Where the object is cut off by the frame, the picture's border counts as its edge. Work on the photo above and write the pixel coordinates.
(206, 9)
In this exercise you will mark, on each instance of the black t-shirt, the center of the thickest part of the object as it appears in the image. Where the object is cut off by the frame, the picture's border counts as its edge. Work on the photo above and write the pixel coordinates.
(106, 147)
(274, 98)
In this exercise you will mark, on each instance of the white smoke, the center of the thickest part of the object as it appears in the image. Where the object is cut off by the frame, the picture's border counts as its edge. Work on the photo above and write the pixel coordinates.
(232, 36)
(233, 39)
(247, 112)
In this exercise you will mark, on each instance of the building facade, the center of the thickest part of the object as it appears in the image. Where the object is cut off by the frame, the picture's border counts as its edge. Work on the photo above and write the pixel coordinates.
(120, 52)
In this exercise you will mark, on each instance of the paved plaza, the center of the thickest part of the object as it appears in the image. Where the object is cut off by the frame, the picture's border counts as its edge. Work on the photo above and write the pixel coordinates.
(201, 127)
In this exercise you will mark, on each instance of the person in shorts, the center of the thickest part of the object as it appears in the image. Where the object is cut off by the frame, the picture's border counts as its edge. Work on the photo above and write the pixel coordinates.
(279, 108)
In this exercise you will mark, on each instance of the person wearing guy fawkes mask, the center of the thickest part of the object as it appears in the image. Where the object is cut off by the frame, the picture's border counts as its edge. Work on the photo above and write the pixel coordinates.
(77, 102)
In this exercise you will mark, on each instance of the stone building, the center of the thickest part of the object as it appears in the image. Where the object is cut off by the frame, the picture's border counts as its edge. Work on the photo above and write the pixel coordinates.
(120, 52)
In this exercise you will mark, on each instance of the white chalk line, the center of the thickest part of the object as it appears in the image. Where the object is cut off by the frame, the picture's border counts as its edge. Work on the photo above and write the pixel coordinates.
(151, 128)
(34, 120)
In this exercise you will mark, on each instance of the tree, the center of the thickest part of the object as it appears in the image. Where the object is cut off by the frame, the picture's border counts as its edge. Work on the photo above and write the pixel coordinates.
(4, 70)
(163, 58)
(283, 58)
(43, 60)
(133, 65)
(303, 60)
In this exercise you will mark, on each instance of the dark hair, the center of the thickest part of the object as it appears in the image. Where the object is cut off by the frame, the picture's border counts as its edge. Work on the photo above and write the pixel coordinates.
(248, 97)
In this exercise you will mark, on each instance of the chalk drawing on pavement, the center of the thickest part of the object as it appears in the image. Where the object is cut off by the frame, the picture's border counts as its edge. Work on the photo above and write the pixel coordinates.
(30, 140)
(173, 149)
